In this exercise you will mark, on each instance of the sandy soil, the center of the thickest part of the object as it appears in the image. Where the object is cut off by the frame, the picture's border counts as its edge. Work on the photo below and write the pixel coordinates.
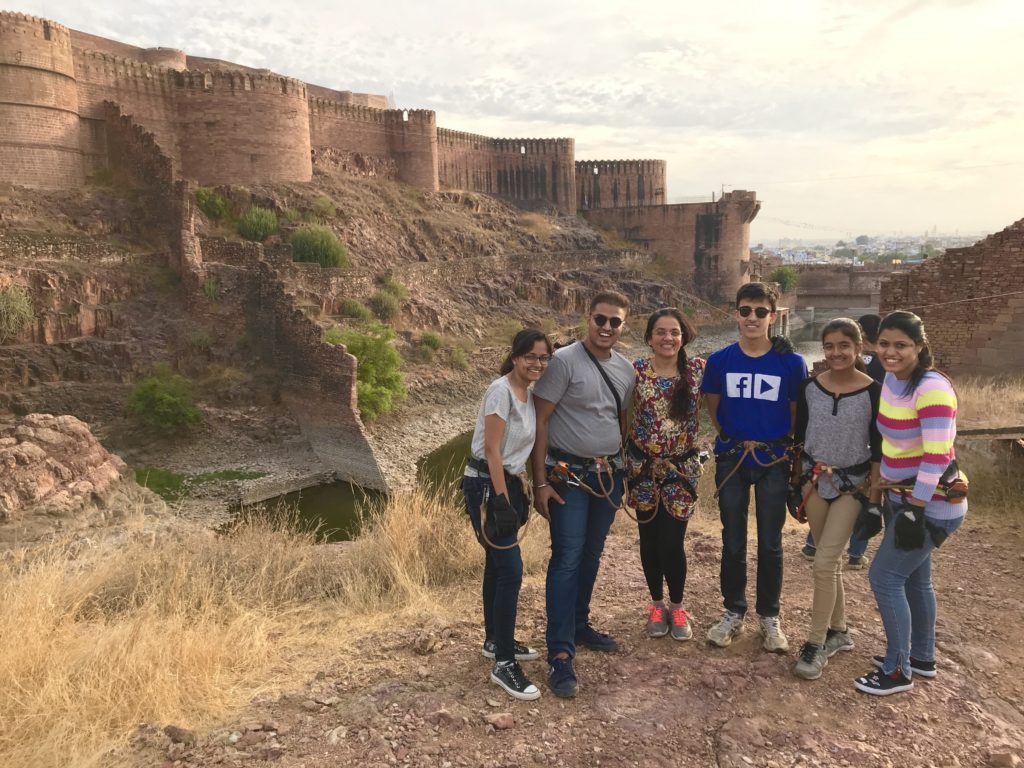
(420, 696)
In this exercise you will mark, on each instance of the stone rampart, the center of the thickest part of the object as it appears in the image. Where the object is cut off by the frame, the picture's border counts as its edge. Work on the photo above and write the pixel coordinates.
(828, 286)
(972, 303)
(708, 243)
(619, 183)
(531, 172)
(39, 139)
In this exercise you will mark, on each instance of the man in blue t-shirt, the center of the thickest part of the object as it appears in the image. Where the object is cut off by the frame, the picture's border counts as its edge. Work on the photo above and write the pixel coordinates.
(751, 391)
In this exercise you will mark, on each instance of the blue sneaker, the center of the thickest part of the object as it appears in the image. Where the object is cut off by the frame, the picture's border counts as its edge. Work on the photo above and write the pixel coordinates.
(562, 678)
(590, 638)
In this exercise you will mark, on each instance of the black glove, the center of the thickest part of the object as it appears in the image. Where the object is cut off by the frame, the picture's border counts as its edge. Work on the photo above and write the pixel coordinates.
(502, 519)
(794, 502)
(938, 534)
(909, 523)
(869, 521)
(782, 345)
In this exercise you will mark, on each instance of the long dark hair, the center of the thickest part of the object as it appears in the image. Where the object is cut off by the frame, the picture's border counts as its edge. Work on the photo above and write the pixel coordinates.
(522, 344)
(851, 330)
(681, 391)
(912, 326)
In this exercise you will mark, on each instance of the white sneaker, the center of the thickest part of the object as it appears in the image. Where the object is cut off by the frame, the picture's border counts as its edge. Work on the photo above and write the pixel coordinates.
(725, 630)
(774, 640)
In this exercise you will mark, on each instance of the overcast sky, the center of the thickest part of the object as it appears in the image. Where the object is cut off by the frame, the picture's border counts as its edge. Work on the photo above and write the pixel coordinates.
(847, 117)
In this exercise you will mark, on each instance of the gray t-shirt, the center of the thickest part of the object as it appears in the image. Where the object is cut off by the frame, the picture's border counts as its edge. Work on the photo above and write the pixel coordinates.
(584, 422)
(520, 426)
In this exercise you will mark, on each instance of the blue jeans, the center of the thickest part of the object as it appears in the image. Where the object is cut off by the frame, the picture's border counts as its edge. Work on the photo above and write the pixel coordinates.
(857, 547)
(902, 582)
(503, 568)
(770, 487)
(578, 530)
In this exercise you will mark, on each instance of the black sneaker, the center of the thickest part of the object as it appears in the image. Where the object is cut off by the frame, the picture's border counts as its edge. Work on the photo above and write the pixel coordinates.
(877, 683)
(562, 678)
(922, 668)
(590, 638)
(523, 652)
(510, 676)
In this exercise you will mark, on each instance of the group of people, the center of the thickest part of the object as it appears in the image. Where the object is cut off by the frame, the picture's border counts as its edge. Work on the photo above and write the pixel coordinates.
(843, 451)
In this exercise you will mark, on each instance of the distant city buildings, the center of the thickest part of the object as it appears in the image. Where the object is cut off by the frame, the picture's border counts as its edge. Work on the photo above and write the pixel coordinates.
(883, 249)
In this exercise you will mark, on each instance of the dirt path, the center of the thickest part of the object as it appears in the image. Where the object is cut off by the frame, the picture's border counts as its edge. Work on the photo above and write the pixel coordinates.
(420, 697)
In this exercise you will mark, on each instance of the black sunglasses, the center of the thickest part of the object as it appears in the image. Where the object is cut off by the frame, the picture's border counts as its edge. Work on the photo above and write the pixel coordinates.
(761, 312)
(602, 320)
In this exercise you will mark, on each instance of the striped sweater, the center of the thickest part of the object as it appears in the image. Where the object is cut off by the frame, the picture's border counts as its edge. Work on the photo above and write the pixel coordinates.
(917, 438)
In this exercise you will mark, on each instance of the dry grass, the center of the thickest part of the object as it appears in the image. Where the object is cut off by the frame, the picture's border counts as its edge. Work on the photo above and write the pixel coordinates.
(537, 224)
(987, 402)
(188, 628)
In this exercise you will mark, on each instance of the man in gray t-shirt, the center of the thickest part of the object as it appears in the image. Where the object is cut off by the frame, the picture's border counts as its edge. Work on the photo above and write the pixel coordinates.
(578, 420)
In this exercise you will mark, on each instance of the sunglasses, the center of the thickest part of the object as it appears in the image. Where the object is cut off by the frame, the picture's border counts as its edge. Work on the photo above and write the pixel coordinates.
(761, 312)
(602, 320)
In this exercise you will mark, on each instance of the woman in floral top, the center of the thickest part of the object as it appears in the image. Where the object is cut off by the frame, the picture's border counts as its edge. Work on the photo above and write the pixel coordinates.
(663, 464)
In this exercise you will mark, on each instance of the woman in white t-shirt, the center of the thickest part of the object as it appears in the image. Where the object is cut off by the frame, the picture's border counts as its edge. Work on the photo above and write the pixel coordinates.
(502, 442)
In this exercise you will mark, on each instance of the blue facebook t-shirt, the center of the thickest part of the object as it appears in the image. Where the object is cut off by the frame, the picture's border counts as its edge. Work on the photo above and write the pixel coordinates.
(756, 393)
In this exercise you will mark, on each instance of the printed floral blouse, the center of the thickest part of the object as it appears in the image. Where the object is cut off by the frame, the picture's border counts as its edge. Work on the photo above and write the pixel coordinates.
(653, 435)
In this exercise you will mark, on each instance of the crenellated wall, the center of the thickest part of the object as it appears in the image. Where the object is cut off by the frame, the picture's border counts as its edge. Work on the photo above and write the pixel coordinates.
(39, 119)
(971, 302)
(708, 243)
(619, 183)
(239, 128)
(528, 171)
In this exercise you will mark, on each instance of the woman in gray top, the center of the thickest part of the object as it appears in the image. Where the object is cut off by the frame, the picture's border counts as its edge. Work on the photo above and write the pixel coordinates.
(835, 423)
(493, 482)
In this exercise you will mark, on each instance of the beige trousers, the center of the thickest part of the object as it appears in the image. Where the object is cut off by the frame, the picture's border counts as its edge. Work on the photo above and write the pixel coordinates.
(831, 525)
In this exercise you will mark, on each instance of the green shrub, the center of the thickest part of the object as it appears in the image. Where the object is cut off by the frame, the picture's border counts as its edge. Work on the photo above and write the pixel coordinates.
(333, 335)
(293, 215)
(211, 288)
(15, 311)
(163, 401)
(213, 204)
(395, 288)
(324, 208)
(385, 305)
(423, 354)
(786, 277)
(257, 224)
(458, 359)
(380, 385)
(199, 340)
(431, 340)
(355, 310)
(320, 245)
(225, 383)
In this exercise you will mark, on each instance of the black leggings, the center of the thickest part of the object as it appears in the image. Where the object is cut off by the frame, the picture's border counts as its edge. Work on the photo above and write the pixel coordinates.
(663, 556)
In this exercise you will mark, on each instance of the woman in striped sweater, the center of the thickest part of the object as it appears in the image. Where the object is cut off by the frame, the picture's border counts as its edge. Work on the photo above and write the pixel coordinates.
(917, 421)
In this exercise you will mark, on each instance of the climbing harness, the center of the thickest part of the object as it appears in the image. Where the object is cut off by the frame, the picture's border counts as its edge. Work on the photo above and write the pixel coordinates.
(846, 486)
(663, 470)
(953, 485)
(481, 467)
(750, 448)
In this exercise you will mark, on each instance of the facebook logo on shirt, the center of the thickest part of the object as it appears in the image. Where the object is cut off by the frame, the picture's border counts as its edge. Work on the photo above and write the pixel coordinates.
(753, 386)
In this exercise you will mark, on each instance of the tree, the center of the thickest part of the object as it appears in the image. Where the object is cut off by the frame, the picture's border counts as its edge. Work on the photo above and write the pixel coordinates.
(786, 277)
(863, 239)
(163, 401)
(380, 385)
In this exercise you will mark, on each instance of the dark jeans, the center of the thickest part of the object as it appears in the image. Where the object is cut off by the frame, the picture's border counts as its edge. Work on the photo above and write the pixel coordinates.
(663, 556)
(578, 531)
(503, 568)
(770, 487)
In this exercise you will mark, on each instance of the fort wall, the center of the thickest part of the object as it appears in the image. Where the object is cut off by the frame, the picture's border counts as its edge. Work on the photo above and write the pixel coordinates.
(827, 286)
(238, 128)
(707, 243)
(39, 139)
(973, 316)
(531, 172)
(619, 183)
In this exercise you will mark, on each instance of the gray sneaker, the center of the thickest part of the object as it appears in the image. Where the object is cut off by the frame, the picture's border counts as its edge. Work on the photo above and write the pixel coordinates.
(813, 659)
(771, 631)
(837, 640)
(680, 620)
(657, 620)
(725, 630)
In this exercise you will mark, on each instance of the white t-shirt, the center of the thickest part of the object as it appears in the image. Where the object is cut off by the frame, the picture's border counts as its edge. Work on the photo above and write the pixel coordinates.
(520, 426)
